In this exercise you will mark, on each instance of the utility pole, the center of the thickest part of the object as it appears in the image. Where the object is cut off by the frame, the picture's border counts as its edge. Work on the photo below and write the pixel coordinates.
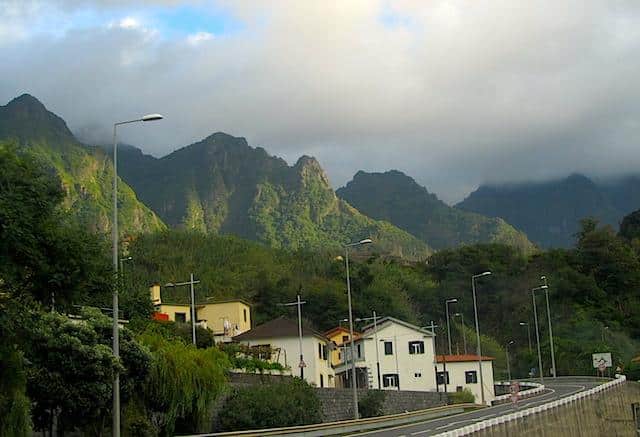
(299, 304)
(191, 282)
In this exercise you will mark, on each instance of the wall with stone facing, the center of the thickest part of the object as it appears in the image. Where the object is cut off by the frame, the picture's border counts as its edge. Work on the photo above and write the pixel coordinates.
(337, 403)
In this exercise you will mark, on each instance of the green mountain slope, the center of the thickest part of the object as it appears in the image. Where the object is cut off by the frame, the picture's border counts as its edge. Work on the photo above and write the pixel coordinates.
(397, 198)
(222, 185)
(549, 212)
(86, 173)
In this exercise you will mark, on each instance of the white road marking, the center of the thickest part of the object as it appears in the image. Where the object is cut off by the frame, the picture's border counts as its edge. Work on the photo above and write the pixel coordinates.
(421, 432)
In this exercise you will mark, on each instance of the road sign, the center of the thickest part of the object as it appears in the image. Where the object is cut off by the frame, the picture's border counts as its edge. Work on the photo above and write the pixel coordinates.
(302, 364)
(514, 389)
(602, 360)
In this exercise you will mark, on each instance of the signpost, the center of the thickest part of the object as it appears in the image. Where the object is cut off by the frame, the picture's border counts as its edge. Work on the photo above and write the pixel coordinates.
(602, 361)
(514, 389)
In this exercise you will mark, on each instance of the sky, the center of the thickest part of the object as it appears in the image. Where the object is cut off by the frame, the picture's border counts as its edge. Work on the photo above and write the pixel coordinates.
(455, 93)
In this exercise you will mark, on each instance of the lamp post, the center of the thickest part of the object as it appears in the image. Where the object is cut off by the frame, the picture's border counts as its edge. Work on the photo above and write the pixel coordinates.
(122, 261)
(299, 304)
(479, 346)
(528, 333)
(507, 354)
(190, 283)
(116, 334)
(446, 305)
(356, 415)
(535, 318)
(553, 354)
(464, 333)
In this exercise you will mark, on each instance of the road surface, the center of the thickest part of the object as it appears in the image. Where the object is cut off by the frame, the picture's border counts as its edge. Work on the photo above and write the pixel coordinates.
(557, 388)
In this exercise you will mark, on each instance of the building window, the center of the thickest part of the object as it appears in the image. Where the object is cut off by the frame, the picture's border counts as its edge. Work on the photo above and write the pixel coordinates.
(359, 351)
(416, 347)
(345, 338)
(181, 317)
(264, 351)
(440, 378)
(244, 313)
(388, 348)
(417, 375)
(471, 377)
(322, 351)
(321, 380)
(390, 380)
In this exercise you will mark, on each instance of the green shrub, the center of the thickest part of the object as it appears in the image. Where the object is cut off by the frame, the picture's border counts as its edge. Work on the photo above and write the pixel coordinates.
(371, 404)
(462, 397)
(270, 405)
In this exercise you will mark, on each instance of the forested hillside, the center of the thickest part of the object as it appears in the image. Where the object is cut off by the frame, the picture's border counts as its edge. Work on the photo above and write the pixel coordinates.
(85, 174)
(397, 198)
(222, 185)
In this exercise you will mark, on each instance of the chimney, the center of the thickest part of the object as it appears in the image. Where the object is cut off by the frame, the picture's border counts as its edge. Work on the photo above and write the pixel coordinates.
(154, 290)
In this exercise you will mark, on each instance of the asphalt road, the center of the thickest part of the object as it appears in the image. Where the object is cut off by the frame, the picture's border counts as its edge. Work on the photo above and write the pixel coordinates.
(558, 388)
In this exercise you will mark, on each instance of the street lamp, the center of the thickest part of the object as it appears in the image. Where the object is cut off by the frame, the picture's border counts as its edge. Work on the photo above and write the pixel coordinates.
(507, 354)
(116, 334)
(446, 305)
(299, 304)
(353, 355)
(528, 333)
(479, 347)
(553, 354)
(464, 333)
(190, 283)
(535, 318)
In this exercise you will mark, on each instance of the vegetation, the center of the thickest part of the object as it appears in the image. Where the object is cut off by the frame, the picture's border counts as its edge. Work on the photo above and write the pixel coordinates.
(221, 185)
(270, 406)
(550, 212)
(250, 359)
(372, 403)
(397, 198)
(462, 397)
(85, 175)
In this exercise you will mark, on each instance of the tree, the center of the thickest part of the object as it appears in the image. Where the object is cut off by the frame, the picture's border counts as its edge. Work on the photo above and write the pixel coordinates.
(42, 253)
(271, 405)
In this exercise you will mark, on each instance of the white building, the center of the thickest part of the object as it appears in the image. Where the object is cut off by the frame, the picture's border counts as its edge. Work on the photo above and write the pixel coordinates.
(395, 356)
(281, 334)
(457, 372)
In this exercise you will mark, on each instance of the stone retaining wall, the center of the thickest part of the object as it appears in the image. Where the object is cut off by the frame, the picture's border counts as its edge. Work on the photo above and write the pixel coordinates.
(337, 403)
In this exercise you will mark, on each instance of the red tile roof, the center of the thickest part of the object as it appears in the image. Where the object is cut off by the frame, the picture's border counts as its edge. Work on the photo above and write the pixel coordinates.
(336, 330)
(461, 358)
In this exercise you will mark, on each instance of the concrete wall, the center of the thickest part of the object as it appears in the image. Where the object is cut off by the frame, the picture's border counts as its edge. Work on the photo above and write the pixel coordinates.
(337, 404)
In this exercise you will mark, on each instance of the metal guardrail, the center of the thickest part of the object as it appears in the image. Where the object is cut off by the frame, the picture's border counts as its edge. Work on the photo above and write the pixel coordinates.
(534, 390)
(351, 426)
(485, 424)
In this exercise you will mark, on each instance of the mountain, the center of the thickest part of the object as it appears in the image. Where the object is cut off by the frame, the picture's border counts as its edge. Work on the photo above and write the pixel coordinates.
(397, 198)
(85, 173)
(223, 185)
(549, 212)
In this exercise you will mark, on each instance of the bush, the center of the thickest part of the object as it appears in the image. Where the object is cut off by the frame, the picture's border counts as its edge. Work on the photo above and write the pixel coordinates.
(249, 358)
(270, 405)
(371, 404)
(462, 397)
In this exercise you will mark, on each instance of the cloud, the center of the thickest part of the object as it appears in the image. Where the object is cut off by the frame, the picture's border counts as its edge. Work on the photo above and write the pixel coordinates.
(453, 92)
(199, 37)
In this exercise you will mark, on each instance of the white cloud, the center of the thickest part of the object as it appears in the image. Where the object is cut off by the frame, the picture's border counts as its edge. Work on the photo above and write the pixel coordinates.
(454, 92)
(199, 37)
(128, 23)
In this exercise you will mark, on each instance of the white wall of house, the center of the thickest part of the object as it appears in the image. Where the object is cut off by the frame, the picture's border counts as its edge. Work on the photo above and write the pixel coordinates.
(458, 378)
(318, 370)
(416, 371)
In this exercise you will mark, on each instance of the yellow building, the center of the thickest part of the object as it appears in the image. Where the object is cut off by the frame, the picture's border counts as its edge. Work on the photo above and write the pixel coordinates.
(338, 335)
(225, 318)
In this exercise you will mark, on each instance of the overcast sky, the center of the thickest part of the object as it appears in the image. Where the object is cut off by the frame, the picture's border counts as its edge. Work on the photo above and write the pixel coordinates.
(454, 93)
